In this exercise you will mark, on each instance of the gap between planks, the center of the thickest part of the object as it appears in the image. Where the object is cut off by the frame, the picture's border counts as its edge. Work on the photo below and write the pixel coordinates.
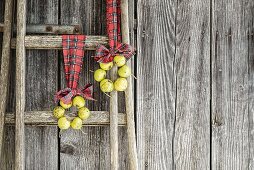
(45, 118)
(1, 27)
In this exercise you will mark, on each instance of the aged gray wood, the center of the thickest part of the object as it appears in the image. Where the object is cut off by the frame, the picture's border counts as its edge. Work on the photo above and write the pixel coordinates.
(20, 87)
(192, 70)
(251, 81)
(53, 29)
(46, 118)
(232, 85)
(49, 29)
(77, 150)
(156, 83)
(55, 42)
(113, 111)
(5, 69)
(132, 147)
(94, 23)
(41, 84)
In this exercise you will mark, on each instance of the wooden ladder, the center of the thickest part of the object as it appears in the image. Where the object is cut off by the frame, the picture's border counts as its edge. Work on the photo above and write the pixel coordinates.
(97, 118)
(4, 74)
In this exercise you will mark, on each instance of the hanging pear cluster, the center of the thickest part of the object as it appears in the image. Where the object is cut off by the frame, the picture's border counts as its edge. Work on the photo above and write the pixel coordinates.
(83, 113)
(120, 84)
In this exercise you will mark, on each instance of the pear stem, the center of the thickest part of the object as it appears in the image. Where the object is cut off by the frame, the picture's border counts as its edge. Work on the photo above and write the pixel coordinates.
(134, 76)
(107, 94)
(83, 132)
(60, 133)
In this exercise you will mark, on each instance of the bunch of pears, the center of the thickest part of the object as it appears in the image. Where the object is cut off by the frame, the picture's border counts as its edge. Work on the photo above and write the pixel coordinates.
(120, 83)
(76, 123)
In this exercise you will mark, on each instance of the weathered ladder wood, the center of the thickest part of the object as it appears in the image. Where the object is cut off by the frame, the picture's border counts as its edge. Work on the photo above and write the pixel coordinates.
(55, 42)
(20, 86)
(45, 118)
(48, 29)
(132, 147)
(113, 122)
(4, 74)
(98, 118)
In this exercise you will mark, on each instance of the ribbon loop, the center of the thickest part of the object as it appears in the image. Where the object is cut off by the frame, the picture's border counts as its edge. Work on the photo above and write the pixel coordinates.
(73, 52)
(66, 95)
(105, 55)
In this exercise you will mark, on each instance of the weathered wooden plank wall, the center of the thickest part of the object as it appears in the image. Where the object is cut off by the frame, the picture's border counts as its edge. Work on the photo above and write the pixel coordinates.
(232, 82)
(194, 91)
(196, 111)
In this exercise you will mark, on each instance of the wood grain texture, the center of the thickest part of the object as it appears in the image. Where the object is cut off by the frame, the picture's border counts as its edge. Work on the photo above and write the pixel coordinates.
(20, 87)
(91, 16)
(232, 85)
(155, 84)
(129, 98)
(5, 67)
(52, 29)
(192, 69)
(48, 29)
(55, 42)
(41, 84)
(46, 118)
(113, 111)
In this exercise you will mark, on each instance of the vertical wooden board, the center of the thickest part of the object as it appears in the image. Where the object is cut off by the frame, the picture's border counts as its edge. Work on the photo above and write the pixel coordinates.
(81, 12)
(95, 145)
(41, 84)
(250, 14)
(91, 15)
(232, 87)
(156, 83)
(192, 123)
(7, 159)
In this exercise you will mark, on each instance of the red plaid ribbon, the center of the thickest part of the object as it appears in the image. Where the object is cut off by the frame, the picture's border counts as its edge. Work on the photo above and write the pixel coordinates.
(105, 55)
(114, 34)
(73, 52)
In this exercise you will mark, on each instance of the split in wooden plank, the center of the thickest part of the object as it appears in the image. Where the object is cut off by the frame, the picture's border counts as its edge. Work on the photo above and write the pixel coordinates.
(20, 87)
(49, 29)
(45, 118)
(129, 99)
(5, 69)
(55, 42)
(1, 27)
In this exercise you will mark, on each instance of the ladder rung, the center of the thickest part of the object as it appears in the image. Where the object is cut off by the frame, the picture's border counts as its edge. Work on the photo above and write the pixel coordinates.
(55, 42)
(45, 118)
(1, 27)
(49, 29)
(52, 29)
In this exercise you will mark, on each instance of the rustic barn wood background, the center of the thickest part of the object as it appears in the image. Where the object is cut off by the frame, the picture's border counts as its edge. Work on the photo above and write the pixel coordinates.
(193, 97)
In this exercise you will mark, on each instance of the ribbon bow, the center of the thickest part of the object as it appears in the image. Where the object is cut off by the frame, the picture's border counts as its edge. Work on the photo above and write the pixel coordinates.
(105, 55)
(67, 94)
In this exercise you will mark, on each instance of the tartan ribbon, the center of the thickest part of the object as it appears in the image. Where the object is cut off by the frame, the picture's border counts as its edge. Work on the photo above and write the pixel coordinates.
(66, 94)
(73, 52)
(103, 54)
